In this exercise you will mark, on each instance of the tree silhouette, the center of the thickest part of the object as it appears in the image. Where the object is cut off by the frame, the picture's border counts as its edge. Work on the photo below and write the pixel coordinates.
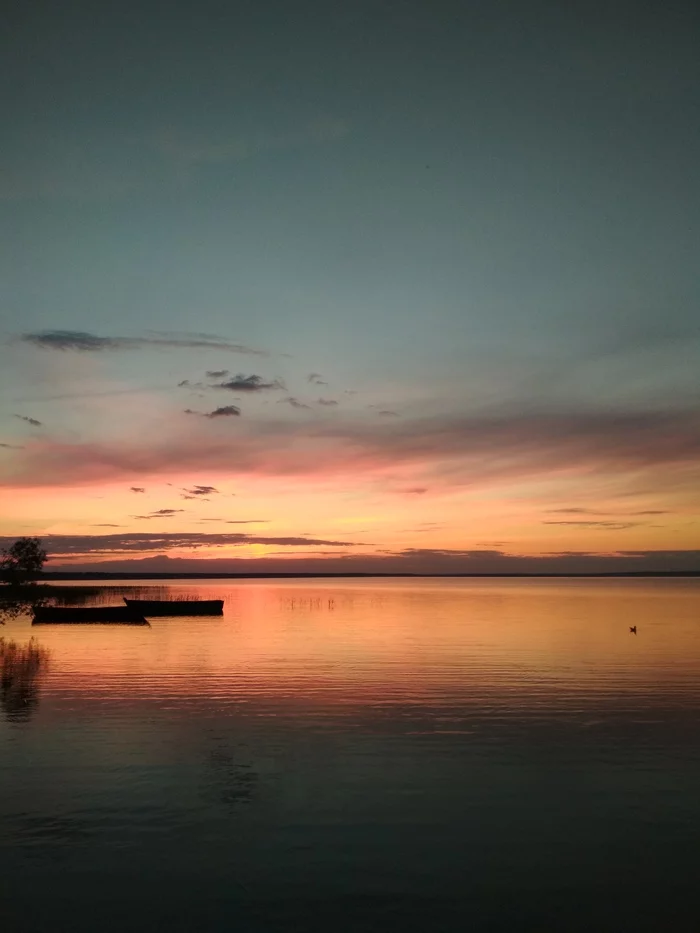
(23, 561)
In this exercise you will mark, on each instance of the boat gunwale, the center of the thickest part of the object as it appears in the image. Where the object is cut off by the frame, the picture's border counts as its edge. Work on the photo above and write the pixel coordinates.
(180, 607)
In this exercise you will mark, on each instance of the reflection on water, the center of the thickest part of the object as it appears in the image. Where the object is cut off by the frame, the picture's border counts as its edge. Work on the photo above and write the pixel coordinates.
(20, 670)
(229, 779)
(362, 755)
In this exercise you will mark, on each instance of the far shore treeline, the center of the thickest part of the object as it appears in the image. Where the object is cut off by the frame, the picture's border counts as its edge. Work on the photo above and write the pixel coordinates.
(22, 565)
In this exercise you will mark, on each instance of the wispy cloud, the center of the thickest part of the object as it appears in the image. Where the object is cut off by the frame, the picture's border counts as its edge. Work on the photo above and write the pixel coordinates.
(388, 414)
(12, 446)
(34, 423)
(577, 510)
(316, 379)
(161, 513)
(248, 521)
(77, 168)
(294, 402)
(603, 525)
(137, 488)
(238, 521)
(201, 490)
(327, 401)
(217, 373)
(84, 342)
(186, 152)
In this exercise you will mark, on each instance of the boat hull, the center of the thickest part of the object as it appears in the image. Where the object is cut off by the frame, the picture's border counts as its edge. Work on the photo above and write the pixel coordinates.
(176, 607)
(87, 615)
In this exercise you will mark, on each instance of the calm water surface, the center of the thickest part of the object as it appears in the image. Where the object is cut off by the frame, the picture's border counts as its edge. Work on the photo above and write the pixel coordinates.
(360, 755)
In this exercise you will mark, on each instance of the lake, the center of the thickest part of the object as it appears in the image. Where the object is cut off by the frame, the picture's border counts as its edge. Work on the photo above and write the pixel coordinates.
(359, 755)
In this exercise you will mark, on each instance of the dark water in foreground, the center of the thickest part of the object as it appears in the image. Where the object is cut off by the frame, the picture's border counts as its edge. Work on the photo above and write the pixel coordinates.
(360, 755)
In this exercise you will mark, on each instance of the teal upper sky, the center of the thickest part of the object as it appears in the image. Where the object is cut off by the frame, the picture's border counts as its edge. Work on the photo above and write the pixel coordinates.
(389, 187)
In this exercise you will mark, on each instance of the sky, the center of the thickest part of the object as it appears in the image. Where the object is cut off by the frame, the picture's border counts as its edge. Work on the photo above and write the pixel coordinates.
(373, 286)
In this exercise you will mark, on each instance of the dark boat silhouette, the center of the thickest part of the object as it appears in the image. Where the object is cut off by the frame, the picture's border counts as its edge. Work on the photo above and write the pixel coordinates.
(87, 615)
(176, 607)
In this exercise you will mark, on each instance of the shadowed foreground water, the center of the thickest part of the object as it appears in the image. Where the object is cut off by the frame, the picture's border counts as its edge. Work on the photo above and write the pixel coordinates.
(359, 755)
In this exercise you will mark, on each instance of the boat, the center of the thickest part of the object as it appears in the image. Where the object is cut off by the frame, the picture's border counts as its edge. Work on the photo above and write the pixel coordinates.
(177, 607)
(87, 615)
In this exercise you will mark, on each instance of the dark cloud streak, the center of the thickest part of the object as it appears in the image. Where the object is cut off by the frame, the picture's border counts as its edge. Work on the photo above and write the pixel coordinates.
(252, 383)
(227, 411)
(143, 541)
(34, 423)
(84, 342)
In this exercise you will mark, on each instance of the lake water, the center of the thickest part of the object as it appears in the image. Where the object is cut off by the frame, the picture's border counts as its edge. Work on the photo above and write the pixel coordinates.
(360, 755)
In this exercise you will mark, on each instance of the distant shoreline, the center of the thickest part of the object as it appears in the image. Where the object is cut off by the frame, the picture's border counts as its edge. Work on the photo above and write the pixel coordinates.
(94, 575)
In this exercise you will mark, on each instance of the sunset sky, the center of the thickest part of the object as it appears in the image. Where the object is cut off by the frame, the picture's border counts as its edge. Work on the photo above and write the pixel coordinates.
(364, 286)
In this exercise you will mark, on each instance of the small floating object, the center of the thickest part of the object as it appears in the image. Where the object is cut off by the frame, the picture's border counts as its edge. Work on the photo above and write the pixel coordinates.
(633, 629)
(176, 607)
(87, 615)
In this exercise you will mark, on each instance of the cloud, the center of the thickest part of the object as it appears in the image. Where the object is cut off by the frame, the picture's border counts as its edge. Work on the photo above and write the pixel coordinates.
(327, 401)
(137, 488)
(186, 153)
(316, 379)
(388, 414)
(84, 342)
(161, 513)
(201, 490)
(64, 166)
(248, 521)
(106, 525)
(294, 402)
(34, 423)
(226, 411)
(12, 446)
(653, 451)
(238, 521)
(91, 394)
(583, 511)
(415, 490)
(253, 383)
(92, 545)
(217, 373)
(185, 383)
(607, 526)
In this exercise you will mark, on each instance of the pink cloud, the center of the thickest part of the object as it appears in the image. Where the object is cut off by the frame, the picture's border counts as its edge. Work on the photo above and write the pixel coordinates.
(462, 450)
